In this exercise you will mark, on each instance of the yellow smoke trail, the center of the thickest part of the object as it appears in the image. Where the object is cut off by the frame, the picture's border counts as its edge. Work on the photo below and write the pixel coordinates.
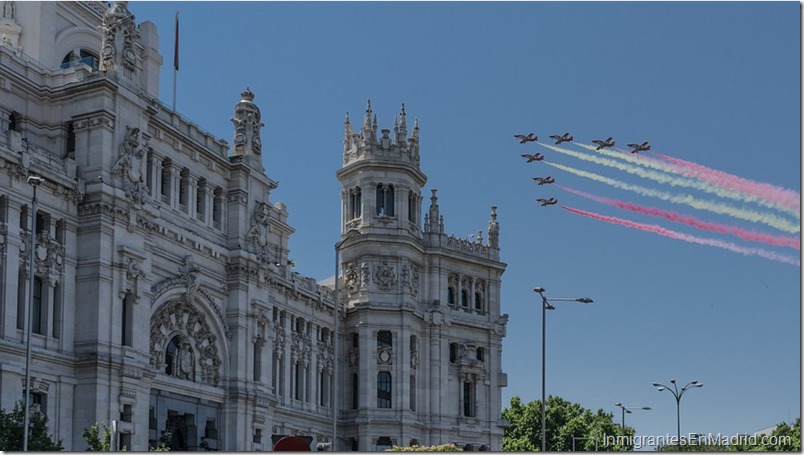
(685, 199)
(665, 178)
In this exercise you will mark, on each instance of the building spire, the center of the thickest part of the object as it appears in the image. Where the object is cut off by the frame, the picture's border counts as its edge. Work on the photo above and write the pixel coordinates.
(434, 222)
(401, 137)
(347, 134)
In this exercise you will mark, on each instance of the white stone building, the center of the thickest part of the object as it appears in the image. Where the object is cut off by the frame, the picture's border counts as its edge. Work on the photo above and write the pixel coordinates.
(162, 297)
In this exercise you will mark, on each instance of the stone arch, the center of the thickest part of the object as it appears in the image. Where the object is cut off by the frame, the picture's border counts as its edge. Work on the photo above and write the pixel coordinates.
(77, 38)
(187, 324)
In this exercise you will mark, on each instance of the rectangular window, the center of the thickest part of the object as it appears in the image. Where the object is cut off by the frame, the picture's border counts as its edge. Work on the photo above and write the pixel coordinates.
(468, 399)
(22, 295)
(184, 190)
(257, 360)
(127, 320)
(57, 311)
(298, 391)
(36, 309)
(384, 390)
(164, 186)
(201, 199)
(384, 339)
(412, 393)
(355, 390)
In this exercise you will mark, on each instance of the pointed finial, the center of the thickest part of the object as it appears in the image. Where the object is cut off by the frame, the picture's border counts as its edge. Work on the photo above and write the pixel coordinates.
(401, 137)
(367, 117)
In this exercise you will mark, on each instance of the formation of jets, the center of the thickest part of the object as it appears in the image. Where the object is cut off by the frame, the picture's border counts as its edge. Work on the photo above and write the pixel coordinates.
(534, 157)
(643, 147)
(603, 144)
(566, 137)
(529, 138)
(559, 139)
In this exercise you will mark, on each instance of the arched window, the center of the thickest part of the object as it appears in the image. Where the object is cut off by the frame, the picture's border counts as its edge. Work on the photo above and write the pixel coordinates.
(170, 356)
(385, 200)
(412, 206)
(355, 202)
(464, 298)
(384, 389)
(451, 295)
(453, 352)
(84, 57)
(480, 354)
(478, 301)
(180, 359)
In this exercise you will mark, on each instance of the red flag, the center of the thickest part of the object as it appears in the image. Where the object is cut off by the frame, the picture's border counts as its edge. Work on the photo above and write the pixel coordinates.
(176, 45)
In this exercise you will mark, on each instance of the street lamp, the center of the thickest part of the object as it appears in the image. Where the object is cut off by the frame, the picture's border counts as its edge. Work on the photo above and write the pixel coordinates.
(677, 394)
(34, 181)
(349, 234)
(627, 410)
(546, 306)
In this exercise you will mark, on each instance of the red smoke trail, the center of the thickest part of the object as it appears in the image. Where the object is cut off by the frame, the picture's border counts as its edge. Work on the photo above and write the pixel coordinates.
(782, 196)
(753, 236)
(688, 238)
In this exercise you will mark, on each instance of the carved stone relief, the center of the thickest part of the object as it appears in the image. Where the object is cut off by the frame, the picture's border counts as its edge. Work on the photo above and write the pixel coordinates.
(130, 163)
(198, 344)
(257, 237)
(385, 275)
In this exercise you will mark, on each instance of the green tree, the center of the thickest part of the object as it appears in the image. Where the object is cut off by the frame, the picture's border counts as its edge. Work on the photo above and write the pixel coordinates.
(99, 438)
(566, 423)
(11, 435)
(785, 438)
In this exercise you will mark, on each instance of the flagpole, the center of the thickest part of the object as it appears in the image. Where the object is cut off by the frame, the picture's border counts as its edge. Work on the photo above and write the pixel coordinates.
(175, 59)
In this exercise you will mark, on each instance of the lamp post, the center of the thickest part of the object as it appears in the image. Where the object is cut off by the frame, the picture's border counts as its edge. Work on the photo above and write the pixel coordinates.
(546, 306)
(336, 310)
(34, 181)
(627, 410)
(678, 394)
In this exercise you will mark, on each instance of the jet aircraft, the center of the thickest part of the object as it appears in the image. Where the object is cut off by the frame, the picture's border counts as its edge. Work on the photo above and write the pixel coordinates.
(529, 138)
(544, 180)
(603, 144)
(534, 157)
(559, 139)
(643, 147)
(549, 201)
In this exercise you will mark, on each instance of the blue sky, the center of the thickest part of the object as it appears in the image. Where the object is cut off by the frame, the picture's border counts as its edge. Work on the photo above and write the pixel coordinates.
(714, 83)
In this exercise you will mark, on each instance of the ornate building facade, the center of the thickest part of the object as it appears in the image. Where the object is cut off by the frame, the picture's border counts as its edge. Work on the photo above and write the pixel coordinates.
(160, 293)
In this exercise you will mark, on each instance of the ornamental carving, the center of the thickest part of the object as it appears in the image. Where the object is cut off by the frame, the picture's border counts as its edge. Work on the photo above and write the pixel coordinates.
(48, 254)
(130, 163)
(247, 125)
(325, 356)
(385, 356)
(300, 348)
(198, 346)
(279, 339)
(410, 279)
(364, 275)
(188, 279)
(352, 278)
(120, 34)
(354, 357)
(257, 239)
(385, 275)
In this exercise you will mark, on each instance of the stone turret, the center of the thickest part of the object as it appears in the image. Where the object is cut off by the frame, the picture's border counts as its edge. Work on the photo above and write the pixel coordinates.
(369, 145)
